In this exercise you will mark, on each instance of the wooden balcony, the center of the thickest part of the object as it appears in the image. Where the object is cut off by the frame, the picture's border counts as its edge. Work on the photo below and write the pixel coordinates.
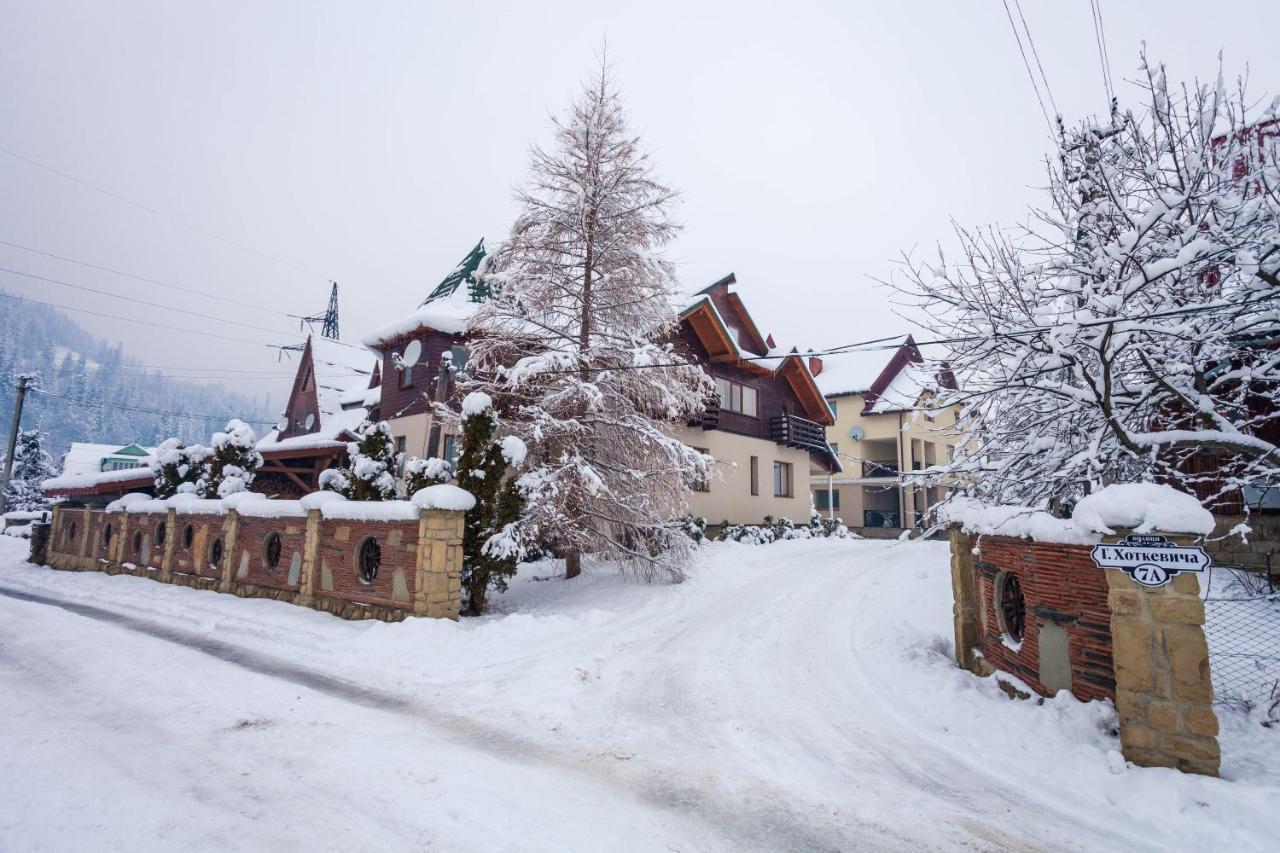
(799, 432)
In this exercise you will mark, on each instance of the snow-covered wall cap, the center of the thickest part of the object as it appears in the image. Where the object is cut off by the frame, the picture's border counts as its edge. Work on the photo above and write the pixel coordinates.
(370, 510)
(317, 500)
(124, 501)
(1019, 522)
(190, 504)
(272, 509)
(1145, 507)
(444, 496)
(150, 505)
(235, 501)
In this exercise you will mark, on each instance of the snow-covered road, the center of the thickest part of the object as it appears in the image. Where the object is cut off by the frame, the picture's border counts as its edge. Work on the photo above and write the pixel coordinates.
(796, 696)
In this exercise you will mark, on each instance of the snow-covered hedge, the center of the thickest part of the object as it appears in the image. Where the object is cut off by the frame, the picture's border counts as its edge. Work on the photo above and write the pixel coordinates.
(784, 528)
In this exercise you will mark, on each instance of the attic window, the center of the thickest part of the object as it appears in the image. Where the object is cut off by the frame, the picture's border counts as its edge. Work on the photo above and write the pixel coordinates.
(308, 379)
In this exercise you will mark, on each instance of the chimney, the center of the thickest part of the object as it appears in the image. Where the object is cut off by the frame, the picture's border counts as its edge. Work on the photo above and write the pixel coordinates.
(815, 365)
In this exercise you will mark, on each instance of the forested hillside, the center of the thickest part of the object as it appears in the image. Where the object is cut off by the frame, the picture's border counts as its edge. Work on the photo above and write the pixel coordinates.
(103, 394)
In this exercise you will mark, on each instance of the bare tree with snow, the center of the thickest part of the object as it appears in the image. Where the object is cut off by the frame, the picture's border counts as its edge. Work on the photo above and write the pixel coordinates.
(567, 347)
(1129, 330)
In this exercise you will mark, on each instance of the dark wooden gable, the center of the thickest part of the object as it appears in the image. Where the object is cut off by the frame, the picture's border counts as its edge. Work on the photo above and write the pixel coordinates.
(302, 412)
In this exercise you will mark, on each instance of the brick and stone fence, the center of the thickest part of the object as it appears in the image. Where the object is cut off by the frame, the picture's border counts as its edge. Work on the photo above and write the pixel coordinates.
(384, 560)
(1033, 599)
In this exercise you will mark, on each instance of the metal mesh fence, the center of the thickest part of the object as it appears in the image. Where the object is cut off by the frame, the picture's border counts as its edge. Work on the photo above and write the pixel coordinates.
(1242, 626)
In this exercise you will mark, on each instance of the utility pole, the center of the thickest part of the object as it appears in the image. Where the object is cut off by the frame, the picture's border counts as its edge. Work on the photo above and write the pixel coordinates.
(24, 382)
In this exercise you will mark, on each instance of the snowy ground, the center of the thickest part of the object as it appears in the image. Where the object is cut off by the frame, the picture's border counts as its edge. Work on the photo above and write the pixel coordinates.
(794, 696)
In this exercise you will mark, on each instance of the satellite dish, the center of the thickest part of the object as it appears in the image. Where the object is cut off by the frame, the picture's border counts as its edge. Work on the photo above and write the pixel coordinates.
(412, 353)
(856, 433)
(310, 420)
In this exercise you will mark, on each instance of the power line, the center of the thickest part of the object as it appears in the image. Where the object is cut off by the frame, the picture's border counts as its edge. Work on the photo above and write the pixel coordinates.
(1100, 37)
(147, 302)
(1026, 64)
(1018, 5)
(135, 320)
(103, 405)
(142, 278)
(154, 212)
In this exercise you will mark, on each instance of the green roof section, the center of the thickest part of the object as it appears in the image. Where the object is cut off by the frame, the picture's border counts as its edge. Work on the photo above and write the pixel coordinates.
(477, 290)
(130, 450)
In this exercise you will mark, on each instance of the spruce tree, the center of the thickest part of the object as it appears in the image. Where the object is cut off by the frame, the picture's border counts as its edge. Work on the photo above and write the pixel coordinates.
(234, 463)
(32, 465)
(178, 469)
(420, 473)
(371, 475)
(482, 469)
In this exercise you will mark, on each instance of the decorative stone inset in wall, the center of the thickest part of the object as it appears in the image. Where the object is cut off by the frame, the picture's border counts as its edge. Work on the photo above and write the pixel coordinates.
(243, 570)
(144, 553)
(295, 568)
(326, 577)
(1055, 657)
(399, 586)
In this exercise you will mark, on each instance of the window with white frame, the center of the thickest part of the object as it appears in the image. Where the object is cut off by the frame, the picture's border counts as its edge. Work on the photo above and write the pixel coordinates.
(782, 480)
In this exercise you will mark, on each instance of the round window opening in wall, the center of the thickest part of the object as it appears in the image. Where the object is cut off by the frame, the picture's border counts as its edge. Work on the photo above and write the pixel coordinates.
(271, 550)
(137, 542)
(1011, 605)
(368, 560)
(161, 529)
(106, 534)
(215, 553)
(71, 532)
(188, 536)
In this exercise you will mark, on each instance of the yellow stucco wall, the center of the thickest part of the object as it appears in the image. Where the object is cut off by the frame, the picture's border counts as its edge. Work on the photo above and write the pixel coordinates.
(729, 495)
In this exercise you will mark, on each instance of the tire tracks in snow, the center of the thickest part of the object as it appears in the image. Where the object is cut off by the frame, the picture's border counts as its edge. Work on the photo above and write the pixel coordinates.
(757, 821)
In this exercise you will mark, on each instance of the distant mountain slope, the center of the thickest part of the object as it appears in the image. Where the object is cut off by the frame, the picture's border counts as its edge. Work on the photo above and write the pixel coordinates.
(91, 372)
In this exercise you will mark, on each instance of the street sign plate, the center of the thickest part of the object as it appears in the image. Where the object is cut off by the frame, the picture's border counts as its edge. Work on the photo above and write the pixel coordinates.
(1150, 560)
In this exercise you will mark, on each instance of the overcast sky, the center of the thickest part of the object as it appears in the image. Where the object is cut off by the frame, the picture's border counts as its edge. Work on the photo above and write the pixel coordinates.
(374, 143)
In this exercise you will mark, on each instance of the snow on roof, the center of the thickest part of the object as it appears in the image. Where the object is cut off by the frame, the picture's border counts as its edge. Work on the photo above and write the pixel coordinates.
(904, 390)
(447, 308)
(342, 374)
(96, 478)
(85, 458)
(855, 372)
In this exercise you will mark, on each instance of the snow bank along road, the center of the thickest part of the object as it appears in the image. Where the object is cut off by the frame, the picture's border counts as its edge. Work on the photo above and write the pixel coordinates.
(795, 696)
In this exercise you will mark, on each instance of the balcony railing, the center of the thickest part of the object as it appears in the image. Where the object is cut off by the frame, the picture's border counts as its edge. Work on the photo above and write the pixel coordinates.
(876, 468)
(881, 518)
(799, 432)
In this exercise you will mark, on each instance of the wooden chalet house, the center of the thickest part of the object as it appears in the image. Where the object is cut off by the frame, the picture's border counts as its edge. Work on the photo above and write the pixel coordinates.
(766, 426)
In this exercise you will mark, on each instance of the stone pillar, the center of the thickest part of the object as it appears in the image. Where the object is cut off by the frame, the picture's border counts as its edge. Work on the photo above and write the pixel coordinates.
(171, 535)
(120, 542)
(230, 529)
(1163, 693)
(310, 560)
(86, 544)
(964, 593)
(438, 583)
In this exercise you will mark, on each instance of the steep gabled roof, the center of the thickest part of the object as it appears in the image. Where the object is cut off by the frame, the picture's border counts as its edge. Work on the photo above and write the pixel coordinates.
(326, 402)
(446, 309)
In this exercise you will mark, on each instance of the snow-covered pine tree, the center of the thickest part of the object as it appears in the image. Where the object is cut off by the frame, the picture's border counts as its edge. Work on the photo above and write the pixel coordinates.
(482, 471)
(234, 463)
(178, 469)
(1129, 332)
(32, 465)
(420, 473)
(573, 347)
(371, 474)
